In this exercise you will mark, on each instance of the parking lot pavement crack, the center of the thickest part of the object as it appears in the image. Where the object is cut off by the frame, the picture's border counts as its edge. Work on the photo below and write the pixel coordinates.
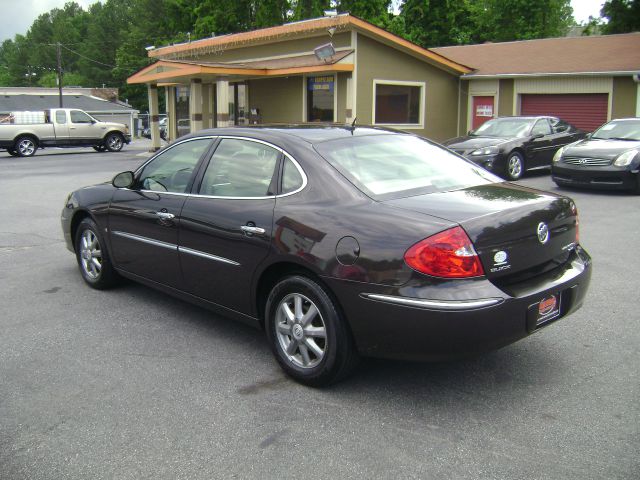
(14, 241)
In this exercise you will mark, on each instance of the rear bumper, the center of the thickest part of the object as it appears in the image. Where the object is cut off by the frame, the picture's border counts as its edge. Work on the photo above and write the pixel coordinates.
(609, 178)
(430, 326)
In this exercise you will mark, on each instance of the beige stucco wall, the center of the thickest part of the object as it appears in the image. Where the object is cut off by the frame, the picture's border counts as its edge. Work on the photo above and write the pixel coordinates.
(378, 61)
(505, 98)
(289, 47)
(279, 99)
(624, 97)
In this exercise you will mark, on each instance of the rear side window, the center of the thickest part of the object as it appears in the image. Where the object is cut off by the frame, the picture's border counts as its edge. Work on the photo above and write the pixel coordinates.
(240, 168)
(291, 178)
(171, 171)
(394, 166)
(61, 117)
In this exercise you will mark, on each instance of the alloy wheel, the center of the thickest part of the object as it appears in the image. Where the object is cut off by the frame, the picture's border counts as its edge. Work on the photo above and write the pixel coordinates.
(114, 143)
(26, 147)
(301, 331)
(90, 255)
(515, 166)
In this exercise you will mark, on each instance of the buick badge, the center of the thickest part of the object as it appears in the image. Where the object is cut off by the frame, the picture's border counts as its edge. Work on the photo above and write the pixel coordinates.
(543, 233)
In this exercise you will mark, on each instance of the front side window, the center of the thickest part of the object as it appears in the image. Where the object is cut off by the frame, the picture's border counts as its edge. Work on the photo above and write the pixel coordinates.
(171, 171)
(541, 127)
(393, 166)
(80, 117)
(241, 168)
(398, 104)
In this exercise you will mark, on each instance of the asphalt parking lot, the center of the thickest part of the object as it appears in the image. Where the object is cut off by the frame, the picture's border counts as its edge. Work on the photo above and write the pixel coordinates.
(132, 384)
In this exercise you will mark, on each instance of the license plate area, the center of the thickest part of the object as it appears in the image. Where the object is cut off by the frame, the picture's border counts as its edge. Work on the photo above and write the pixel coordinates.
(544, 311)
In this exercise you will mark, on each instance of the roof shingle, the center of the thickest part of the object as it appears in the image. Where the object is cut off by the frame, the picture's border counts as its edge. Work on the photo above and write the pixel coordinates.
(597, 54)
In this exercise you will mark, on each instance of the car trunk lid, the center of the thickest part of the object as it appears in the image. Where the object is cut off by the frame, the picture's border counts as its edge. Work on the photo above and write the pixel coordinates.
(517, 231)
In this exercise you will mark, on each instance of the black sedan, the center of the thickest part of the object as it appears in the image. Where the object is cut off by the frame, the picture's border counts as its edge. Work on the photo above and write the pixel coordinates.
(338, 241)
(509, 146)
(608, 159)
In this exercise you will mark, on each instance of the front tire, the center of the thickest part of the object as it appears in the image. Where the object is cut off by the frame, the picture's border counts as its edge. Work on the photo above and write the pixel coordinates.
(114, 142)
(307, 334)
(515, 166)
(26, 146)
(93, 257)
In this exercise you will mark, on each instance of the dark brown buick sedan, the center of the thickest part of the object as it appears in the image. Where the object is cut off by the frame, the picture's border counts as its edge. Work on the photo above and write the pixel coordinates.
(338, 241)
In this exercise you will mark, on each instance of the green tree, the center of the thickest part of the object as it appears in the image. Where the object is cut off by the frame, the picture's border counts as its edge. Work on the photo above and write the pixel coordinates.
(622, 16)
(50, 80)
(373, 11)
(435, 23)
(304, 9)
(506, 20)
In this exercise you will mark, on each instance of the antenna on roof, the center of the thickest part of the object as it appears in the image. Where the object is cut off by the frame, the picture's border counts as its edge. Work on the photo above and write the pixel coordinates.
(353, 124)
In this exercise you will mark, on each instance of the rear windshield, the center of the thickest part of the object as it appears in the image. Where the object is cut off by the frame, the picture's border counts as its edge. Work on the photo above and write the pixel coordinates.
(394, 166)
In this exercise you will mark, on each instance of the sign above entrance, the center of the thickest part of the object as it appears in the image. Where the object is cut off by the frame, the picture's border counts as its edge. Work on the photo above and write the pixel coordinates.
(321, 83)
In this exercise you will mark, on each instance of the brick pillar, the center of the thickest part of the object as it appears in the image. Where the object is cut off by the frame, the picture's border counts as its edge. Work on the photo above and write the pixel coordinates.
(195, 104)
(154, 116)
(222, 100)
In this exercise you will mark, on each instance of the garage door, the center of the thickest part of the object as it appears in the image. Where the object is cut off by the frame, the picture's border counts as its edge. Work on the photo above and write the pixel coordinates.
(584, 110)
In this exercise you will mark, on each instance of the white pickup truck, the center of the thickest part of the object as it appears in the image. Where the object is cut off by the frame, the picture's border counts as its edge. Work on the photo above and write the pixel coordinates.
(22, 133)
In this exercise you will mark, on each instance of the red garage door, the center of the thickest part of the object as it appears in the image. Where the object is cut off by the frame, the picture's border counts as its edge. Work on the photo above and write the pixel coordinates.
(584, 110)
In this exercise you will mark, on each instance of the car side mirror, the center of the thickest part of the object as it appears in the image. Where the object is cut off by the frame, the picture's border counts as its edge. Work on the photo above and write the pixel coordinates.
(538, 135)
(470, 132)
(588, 136)
(123, 180)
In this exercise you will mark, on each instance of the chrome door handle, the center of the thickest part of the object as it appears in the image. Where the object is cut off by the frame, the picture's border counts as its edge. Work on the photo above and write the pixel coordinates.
(252, 230)
(165, 215)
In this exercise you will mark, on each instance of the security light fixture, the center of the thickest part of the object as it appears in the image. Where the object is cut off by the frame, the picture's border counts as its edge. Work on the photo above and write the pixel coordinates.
(324, 51)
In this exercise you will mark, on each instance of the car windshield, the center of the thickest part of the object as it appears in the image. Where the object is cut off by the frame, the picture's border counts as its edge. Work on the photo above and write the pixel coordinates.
(393, 166)
(619, 130)
(505, 127)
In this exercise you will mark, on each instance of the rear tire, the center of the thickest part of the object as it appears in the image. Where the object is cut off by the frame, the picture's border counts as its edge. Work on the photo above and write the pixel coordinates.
(26, 146)
(114, 142)
(308, 336)
(514, 169)
(93, 257)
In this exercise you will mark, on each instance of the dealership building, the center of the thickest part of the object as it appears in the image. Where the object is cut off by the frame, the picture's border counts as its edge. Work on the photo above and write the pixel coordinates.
(343, 69)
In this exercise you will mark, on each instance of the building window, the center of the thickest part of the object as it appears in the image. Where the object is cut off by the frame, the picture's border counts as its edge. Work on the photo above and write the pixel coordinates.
(320, 92)
(398, 103)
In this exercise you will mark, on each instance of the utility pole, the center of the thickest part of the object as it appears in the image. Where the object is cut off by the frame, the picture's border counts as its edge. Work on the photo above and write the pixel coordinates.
(59, 55)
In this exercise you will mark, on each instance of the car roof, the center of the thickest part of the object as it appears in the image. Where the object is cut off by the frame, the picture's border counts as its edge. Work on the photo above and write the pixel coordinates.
(525, 117)
(310, 133)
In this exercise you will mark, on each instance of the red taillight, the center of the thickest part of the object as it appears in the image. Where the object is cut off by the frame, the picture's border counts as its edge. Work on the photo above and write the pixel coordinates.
(448, 254)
